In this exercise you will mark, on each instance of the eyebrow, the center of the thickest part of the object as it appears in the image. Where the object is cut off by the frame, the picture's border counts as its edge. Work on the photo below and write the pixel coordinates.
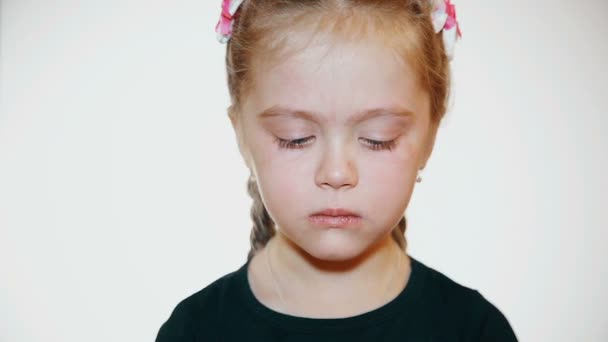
(279, 111)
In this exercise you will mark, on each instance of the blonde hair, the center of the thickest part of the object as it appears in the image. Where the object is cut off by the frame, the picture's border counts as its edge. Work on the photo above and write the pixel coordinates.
(262, 30)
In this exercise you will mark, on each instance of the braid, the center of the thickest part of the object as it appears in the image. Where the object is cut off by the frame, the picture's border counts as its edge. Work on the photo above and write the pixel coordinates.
(263, 227)
(398, 233)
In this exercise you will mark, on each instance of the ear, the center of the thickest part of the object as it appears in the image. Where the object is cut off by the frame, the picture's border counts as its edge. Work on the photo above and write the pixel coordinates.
(238, 132)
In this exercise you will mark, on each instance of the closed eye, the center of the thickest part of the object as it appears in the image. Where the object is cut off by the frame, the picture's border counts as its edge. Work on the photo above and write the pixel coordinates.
(293, 144)
(375, 145)
(380, 145)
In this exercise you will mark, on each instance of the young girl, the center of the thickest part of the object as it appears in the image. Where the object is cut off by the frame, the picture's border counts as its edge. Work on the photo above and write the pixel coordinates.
(335, 105)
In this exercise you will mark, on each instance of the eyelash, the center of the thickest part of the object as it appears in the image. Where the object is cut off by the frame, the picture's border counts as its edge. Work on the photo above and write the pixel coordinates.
(375, 145)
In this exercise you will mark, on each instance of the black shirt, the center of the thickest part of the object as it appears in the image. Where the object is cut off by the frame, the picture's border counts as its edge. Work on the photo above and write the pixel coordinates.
(431, 307)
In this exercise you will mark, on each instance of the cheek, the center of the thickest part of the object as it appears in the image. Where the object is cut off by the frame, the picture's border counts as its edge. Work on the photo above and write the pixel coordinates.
(286, 194)
(389, 177)
(395, 165)
(281, 172)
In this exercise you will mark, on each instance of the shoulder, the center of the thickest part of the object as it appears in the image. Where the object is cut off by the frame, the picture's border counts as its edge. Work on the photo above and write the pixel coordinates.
(196, 314)
(465, 310)
(493, 324)
(445, 292)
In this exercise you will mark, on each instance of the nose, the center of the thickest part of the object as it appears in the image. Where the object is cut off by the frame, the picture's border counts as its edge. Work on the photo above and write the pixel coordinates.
(337, 169)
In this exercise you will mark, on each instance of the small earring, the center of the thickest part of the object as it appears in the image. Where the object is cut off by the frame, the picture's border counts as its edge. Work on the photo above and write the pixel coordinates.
(419, 177)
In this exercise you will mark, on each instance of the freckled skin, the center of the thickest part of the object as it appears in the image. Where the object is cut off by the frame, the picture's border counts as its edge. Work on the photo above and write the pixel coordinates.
(336, 168)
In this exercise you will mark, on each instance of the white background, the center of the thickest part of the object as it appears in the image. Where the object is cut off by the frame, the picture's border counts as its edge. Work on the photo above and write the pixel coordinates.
(122, 190)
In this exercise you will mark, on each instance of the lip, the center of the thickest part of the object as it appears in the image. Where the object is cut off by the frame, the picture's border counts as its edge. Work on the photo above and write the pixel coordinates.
(336, 212)
(335, 218)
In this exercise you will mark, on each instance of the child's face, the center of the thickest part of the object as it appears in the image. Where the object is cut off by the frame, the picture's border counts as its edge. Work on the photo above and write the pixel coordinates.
(334, 165)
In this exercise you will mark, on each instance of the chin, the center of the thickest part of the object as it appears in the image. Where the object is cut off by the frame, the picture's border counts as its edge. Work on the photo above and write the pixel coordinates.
(333, 255)
(334, 248)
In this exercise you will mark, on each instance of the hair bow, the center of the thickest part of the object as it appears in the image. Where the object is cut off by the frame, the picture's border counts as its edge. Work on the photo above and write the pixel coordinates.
(224, 25)
(444, 18)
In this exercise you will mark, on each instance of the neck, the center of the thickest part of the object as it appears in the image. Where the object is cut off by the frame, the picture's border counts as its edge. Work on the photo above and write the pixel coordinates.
(307, 284)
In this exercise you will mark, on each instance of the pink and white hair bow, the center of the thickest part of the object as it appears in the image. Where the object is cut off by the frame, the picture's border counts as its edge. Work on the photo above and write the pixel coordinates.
(444, 18)
(224, 25)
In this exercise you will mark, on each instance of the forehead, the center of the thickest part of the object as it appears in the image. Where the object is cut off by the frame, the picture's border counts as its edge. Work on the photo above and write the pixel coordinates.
(337, 81)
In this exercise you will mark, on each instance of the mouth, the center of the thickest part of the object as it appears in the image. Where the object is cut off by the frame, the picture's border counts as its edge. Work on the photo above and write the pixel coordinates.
(335, 217)
(336, 212)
